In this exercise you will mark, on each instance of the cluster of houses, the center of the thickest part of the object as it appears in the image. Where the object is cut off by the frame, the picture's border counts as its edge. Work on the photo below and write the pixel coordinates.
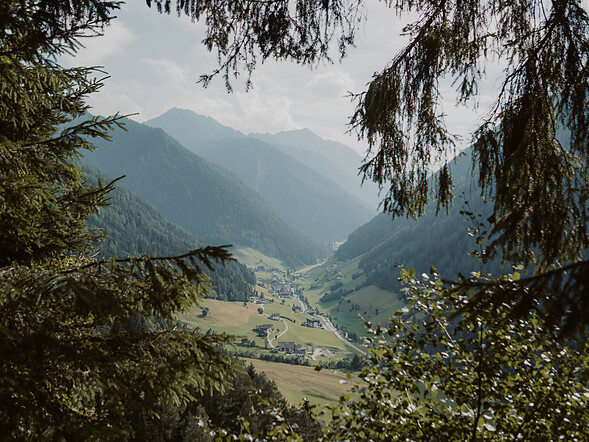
(312, 322)
(283, 289)
(260, 300)
(331, 270)
(264, 330)
(290, 348)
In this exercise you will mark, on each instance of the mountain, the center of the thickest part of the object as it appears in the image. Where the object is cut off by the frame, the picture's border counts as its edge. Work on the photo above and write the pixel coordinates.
(331, 159)
(361, 277)
(191, 129)
(441, 241)
(203, 198)
(135, 228)
(301, 195)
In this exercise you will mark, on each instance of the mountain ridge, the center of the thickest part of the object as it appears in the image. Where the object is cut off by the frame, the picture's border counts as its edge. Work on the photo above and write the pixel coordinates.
(200, 196)
(135, 228)
(309, 200)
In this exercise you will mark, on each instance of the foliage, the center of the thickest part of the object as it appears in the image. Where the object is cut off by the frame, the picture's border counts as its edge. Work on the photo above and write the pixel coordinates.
(431, 241)
(43, 200)
(534, 176)
(68, 369)
(245, 402)
(70, 356)
(479, 376)
(135, 228)
(530, 149)
(244, 30)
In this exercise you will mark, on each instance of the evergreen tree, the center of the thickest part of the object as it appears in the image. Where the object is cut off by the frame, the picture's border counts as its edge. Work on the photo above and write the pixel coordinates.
(492, 347)
(73, 347)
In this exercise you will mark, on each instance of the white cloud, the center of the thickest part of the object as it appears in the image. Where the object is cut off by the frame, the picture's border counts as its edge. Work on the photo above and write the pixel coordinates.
(115, 41)
(260, 112)
(167, 71)
(329, 85)
(155, 61)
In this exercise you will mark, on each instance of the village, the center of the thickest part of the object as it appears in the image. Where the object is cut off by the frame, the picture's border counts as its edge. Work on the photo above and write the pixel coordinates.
(284, 289)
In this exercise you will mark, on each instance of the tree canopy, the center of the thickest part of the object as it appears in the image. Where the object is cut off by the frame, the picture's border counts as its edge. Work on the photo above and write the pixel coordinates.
(433, 377)
(79, 338)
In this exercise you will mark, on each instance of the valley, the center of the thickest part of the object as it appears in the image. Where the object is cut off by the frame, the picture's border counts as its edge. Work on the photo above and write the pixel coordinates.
(311, 267)
(284, 334)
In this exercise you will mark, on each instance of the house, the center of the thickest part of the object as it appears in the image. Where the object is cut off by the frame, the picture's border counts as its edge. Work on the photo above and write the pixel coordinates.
(291, 348)
(263, 330)
(274, 317)
(313, 323)
(259, 300)
(285, 292)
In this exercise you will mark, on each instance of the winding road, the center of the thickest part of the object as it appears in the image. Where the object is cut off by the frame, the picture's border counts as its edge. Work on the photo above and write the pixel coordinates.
(277, 336)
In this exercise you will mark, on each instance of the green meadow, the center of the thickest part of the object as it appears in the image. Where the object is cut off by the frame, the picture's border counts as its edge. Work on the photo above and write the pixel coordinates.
(296, 382)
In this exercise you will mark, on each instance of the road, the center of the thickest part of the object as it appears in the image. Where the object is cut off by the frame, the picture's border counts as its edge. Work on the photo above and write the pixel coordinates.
(327, 325)
(277, 336)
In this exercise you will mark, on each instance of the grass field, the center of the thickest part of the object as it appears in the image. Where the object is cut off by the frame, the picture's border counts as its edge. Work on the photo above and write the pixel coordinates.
(373, 303)
(252, 258)
(236, 319)
(296, 382)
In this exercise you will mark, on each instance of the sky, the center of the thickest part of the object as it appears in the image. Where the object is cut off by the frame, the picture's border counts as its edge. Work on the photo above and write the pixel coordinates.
(154, 61)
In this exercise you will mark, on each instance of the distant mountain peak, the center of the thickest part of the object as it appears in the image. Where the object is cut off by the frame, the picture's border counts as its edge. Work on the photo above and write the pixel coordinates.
(202, 126)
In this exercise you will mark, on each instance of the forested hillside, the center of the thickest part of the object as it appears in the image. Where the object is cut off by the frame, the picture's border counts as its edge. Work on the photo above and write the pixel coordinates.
(135, 228)
(300, 194)
(441, 241)
(203, 198)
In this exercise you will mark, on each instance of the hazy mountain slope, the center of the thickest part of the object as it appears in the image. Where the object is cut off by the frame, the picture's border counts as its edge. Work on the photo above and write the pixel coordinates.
(135, 228)
(333, 160)
(205, 199)
(301, 195)
(361, 277)
(191, 129)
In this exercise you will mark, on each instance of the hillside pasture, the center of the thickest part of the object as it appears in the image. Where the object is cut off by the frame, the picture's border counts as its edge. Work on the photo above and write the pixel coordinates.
(253, 258)
(296, 382)
(235, 319)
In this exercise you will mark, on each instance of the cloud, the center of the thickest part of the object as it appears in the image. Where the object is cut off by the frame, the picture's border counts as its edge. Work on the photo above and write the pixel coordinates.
(260, 112)
(330, 85)
(167, 70)
(115, 41)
